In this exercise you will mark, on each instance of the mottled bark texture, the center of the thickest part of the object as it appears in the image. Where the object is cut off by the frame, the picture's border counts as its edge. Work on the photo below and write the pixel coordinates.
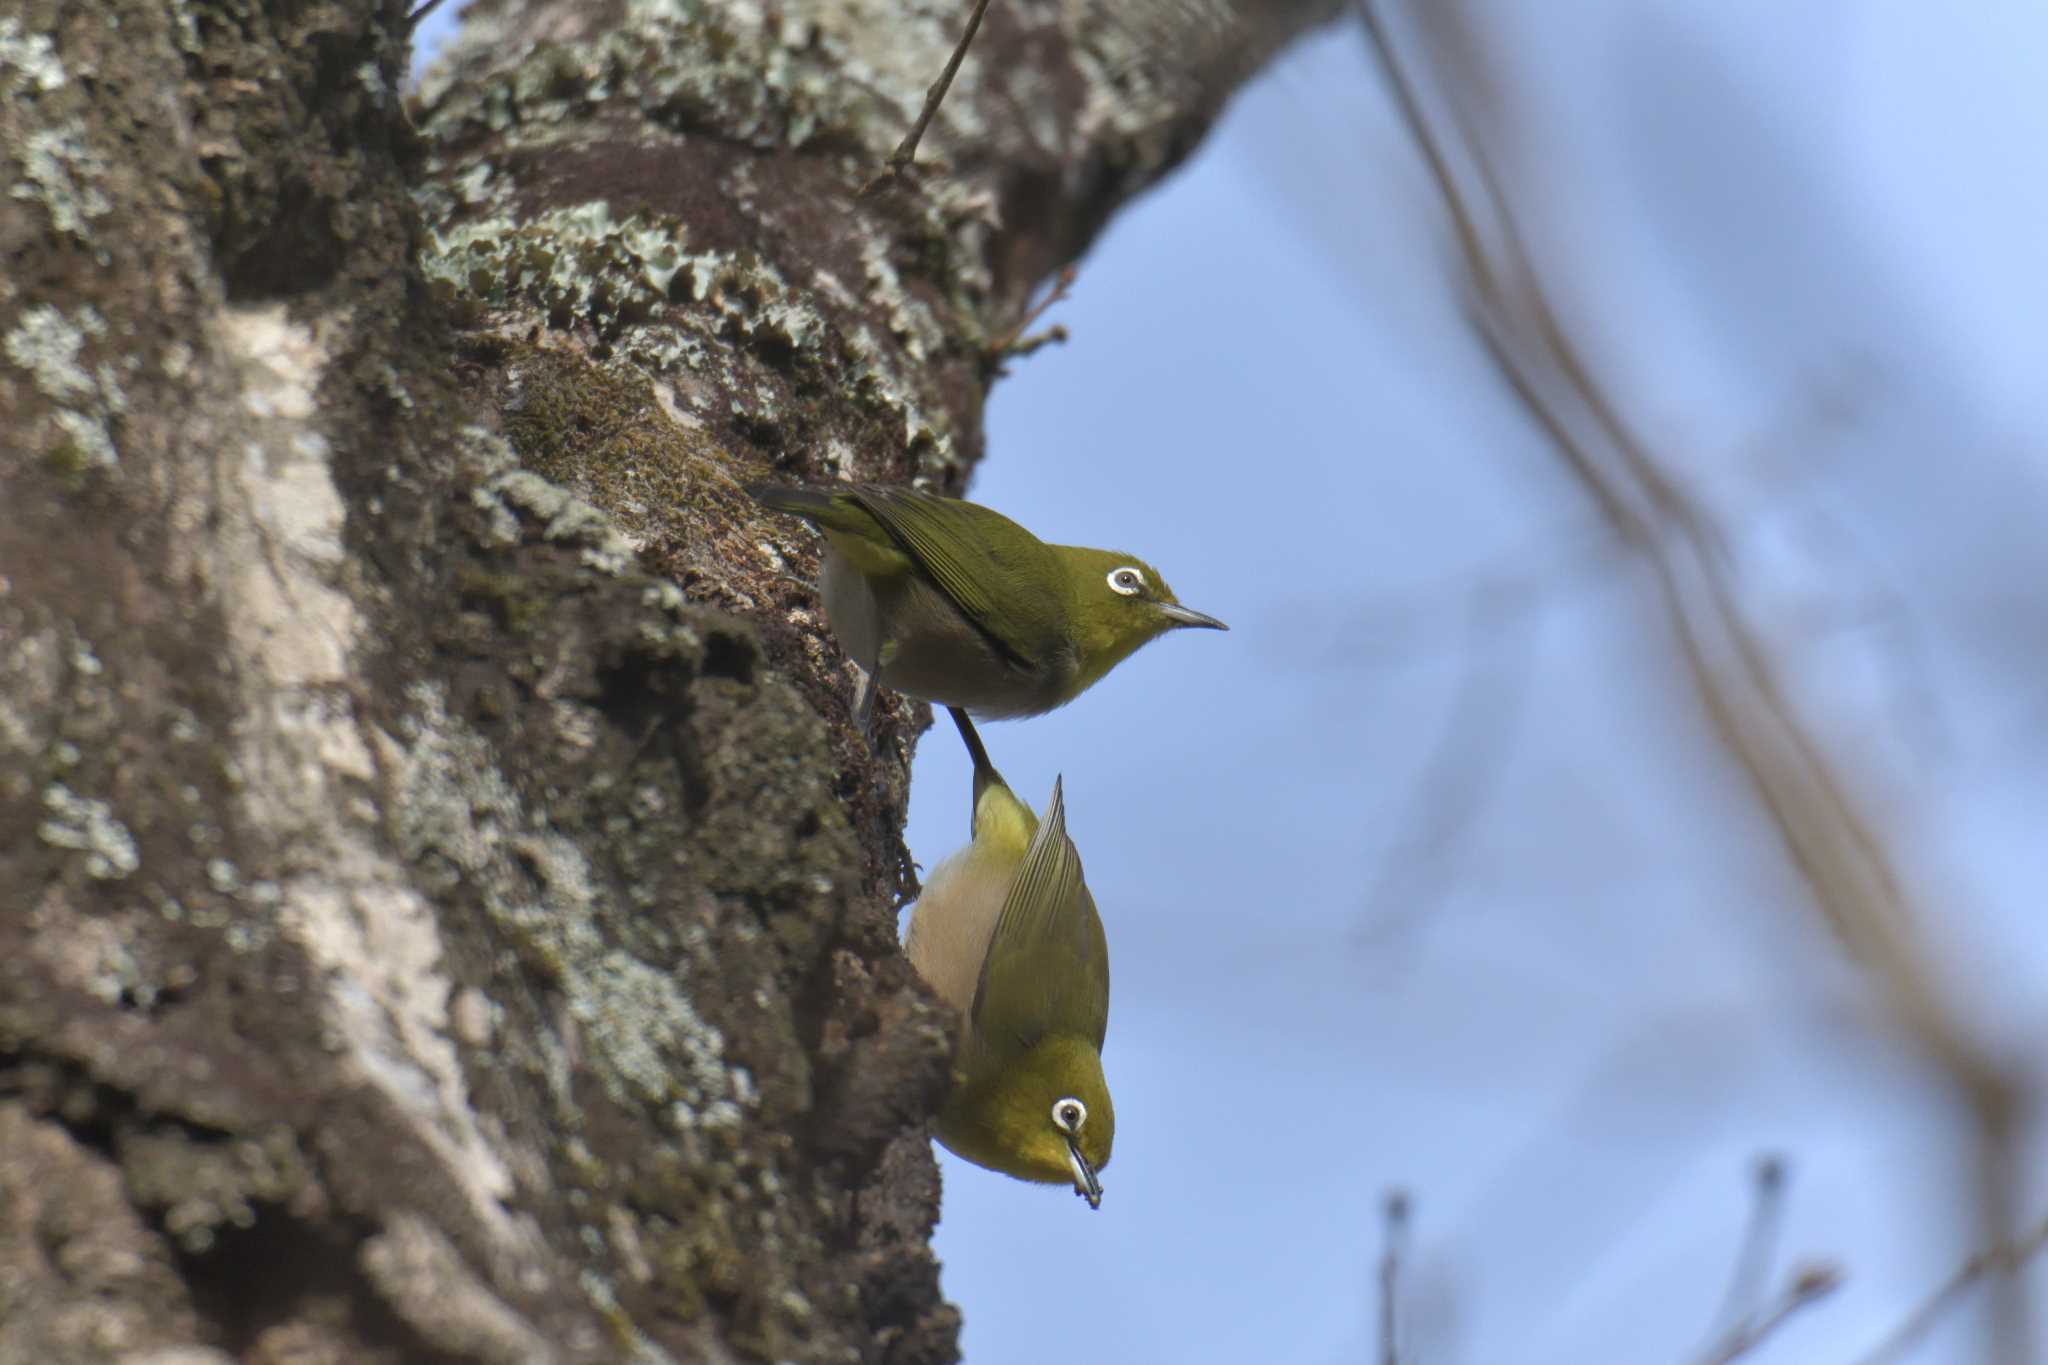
(444, 914)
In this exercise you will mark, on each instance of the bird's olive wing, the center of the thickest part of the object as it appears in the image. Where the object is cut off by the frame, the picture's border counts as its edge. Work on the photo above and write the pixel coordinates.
(1047, 966)
(1003, 579)
(853, 529)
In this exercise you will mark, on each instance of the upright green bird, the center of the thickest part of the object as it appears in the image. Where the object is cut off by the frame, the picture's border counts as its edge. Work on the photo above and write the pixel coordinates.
(951, 602)
(1007, 933)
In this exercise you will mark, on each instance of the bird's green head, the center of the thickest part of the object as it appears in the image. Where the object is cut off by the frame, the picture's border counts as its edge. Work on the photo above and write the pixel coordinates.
(1119, 603)
(1046, 1118)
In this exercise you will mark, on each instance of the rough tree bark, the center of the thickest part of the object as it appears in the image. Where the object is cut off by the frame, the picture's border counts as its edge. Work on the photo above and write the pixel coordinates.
(444, 912)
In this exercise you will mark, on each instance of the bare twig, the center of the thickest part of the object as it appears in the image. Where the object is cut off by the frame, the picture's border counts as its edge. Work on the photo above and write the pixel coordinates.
(1394, 1235)
(1051, 336)
(412, 20)
(1808, 1285)
(906, 150)
(1758, 1251)
(1014, 343)
(1840, 856)
(2003, 1261)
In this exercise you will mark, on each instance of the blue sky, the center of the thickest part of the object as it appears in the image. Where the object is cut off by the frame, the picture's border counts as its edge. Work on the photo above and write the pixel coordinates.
(1807, 242)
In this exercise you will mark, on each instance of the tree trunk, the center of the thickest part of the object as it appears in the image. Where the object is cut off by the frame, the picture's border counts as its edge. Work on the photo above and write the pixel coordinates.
(447, 913)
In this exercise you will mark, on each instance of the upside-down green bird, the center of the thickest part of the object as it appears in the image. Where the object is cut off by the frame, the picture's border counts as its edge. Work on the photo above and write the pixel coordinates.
(951, 602)
(1007, 933)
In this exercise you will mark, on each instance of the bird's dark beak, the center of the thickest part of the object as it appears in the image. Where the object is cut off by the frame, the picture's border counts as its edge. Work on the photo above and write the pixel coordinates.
(1085, 1183)
(1188, 616)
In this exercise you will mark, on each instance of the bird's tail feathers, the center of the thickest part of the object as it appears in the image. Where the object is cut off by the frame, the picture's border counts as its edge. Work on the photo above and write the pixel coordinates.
(820, 506)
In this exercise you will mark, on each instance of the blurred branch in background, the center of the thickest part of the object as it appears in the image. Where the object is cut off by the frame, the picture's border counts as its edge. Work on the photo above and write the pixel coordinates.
(1478, 734)
(2007, 1263)
(1753, 1261)
(1809, 1285)
(1438, 71)
(1394, 1236)
(1746, 1319)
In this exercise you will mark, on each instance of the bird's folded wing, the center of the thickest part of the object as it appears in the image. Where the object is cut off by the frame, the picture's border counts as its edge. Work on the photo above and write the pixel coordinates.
(951, 542)
(1047, 966)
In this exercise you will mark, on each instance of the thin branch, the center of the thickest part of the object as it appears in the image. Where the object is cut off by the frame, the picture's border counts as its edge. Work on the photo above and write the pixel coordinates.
(1394, 1234)
(412, 20)
(1037, 341)
(2005, 1260)
(1759, 1248)
(1808, 1286)
(906, 150)
(1014, 343)
(1741, 1310)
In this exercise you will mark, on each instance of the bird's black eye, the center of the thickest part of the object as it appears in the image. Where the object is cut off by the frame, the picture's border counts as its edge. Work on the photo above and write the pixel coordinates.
(1069, 1115)
(1126, 581)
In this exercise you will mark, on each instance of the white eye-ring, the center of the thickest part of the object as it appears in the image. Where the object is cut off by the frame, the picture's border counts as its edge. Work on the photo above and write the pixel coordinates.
(1068, 1115)
(1126, 581)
